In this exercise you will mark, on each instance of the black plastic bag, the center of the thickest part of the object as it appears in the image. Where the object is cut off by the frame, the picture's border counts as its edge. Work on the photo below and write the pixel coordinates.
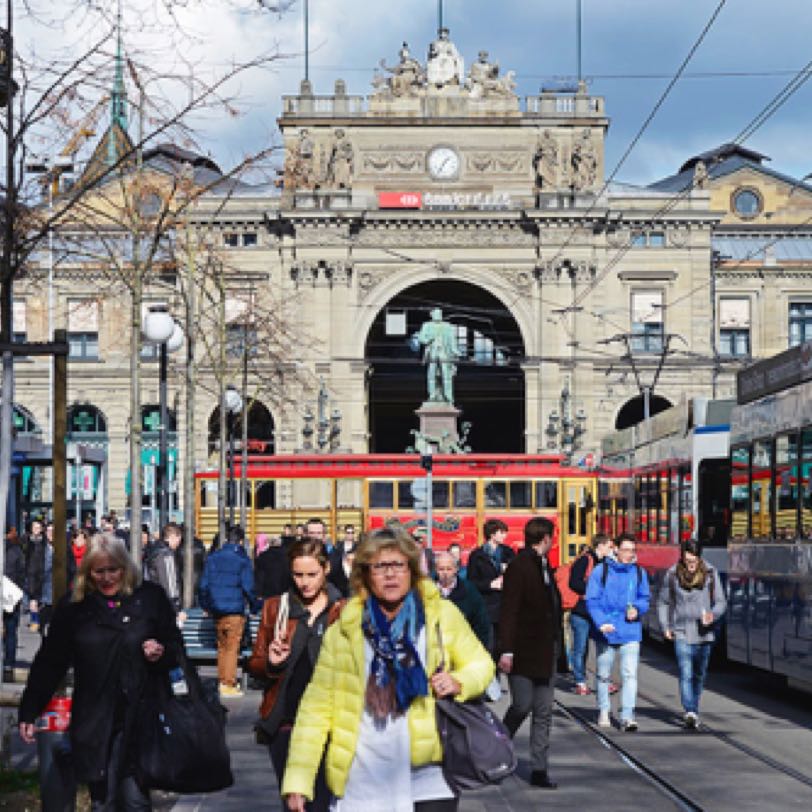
(181, 739)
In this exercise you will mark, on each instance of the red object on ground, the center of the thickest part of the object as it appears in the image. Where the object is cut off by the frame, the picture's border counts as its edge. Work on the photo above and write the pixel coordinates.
(56, 716)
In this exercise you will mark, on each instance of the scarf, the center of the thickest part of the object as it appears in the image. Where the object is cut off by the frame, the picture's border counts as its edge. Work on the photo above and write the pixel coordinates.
(495, 556)
(692, 580)
(78, 553)
(397, 676)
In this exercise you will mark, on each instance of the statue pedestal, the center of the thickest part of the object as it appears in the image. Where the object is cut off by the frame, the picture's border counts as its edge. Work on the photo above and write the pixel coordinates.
(438, 424)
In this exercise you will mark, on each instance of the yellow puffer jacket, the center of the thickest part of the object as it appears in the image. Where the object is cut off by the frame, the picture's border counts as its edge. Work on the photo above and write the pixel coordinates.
(333, 703)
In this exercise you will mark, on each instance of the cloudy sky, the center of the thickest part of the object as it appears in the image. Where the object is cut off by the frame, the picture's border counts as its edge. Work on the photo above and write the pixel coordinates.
(631, 50)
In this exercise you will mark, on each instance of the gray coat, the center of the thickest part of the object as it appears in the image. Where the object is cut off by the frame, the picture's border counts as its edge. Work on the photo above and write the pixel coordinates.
(680, 610)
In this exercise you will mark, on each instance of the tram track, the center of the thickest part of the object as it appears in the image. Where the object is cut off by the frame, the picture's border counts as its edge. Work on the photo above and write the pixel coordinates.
(680, 800)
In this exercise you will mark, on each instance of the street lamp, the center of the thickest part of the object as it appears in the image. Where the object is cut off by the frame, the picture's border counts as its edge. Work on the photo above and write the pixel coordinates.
(233, 404)
(161, 329)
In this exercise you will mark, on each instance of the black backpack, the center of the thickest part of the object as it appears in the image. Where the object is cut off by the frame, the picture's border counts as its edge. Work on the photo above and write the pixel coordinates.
(477, 747)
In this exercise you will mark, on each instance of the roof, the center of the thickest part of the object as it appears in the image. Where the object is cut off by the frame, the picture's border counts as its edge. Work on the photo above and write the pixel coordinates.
(721, 153)
(741, 248)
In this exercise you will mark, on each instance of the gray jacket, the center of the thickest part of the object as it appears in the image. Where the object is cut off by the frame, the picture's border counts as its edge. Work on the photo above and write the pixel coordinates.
(680, 610)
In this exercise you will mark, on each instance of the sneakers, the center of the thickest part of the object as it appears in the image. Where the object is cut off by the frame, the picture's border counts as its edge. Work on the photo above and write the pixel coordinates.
(628, 726)
(230, 691)
(691, 720)
(581, 689)
(603, 719)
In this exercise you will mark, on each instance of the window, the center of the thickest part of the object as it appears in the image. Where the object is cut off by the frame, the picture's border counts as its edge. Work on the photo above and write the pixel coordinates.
(656, 239)
(18, 322)
(231, 240)
(785, 486)
(747, 202)
(739, 493)
(800, 323)
(546, 495)
(734, 328)
(647, 322)
(638, 239)
(249, 240)
(382, 495)
(520, 495)
(83, 330)
(464, 494)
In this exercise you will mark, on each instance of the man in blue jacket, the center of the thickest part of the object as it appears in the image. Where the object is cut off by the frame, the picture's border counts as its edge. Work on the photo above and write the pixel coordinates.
(226, 585)
(617, 597)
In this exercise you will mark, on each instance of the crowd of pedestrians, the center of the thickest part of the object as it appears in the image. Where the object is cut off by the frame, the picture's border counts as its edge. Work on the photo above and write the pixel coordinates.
(355, 641)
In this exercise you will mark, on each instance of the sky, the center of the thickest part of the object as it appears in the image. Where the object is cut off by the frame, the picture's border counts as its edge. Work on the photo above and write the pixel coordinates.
(631, 49)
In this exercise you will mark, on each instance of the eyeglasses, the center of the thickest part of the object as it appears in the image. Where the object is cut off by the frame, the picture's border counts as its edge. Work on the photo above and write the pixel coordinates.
(389, 566)
(102, 571)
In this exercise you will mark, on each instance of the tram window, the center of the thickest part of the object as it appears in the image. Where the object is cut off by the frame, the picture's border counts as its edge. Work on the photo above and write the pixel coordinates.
(786, 486)
(806, 484)
(739, 492)
(264, 495)
(464, 494)
(686, 512)
(495, 494)
(761, 494)
(439, 493)
(521, 495)
(382, 495)
(546, 495)
(673, 507)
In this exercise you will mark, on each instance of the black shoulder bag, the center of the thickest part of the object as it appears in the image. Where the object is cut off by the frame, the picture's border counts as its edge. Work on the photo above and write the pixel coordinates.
(477, 748)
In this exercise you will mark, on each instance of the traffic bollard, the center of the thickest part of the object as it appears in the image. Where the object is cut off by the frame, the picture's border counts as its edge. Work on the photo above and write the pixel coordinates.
(56, 779)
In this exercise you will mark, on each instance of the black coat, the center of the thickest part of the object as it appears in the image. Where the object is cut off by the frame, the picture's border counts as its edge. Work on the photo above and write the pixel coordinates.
(272, 572)
(14, 564)
(530, 617)
(466, 598)
(482, 570)
(104, 646)
(35, 567)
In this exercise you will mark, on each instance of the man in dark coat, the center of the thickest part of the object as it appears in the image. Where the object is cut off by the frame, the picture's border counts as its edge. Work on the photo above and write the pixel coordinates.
(530, 642)
(463, 595)
(272, 570)
(35, 558)
(486, 566)
(164, 570)
(14, 570)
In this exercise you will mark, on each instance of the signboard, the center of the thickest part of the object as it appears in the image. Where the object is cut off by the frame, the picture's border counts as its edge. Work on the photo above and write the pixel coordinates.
(771, 375)
(400, 200)
(478, 201)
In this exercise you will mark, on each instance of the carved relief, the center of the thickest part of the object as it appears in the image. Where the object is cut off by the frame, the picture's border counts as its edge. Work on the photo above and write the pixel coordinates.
(341, 162)
(546, 163)
(379, 161)
(493, 161)
(446, 234)
(583, 162)
(484, 79)
(678, 237)
(407, 77)
(369, 277)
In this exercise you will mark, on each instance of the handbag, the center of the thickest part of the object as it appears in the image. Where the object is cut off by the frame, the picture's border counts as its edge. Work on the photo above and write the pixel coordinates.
(11, 594)
(477, 747)
(180, 737)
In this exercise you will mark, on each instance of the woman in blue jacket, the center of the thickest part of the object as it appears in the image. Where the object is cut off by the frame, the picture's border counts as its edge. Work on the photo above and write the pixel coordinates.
(617, 597)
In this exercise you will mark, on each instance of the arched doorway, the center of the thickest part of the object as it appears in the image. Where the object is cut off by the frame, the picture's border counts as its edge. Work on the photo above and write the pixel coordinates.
(150, 459)
(88, 441)
(489, 385)
(632, 412)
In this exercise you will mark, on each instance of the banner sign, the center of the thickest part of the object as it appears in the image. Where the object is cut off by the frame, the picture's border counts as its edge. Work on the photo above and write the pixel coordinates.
(400, 200)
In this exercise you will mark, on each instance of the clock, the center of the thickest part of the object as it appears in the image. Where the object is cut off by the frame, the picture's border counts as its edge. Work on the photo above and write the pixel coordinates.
(443, 163)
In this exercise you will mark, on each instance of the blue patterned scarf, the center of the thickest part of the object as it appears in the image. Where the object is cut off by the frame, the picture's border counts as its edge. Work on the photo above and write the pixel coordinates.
(397, 676)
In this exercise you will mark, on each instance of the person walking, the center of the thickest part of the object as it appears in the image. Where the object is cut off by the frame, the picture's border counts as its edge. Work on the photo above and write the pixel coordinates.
(14, 570)
(272, 569)
(530, 643)
(580, 621)
(691, 601)
(163, 567)
(286, 650)
(226, 586)
(34, 546)
(617, 597)
(116, 633)
(463, 595)
(486, 566)
(396, 645)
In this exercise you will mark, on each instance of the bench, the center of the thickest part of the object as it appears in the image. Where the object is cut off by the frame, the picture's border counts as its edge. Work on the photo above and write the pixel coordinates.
(200, 639)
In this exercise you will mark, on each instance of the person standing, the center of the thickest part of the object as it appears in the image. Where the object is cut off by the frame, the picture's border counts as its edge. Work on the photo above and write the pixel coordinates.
(691, 600)
(287, 648)
(226, 586)
(486, 566)
(580, 622)
(617, 597)
(272, 570)
(530, 643)
(164, 570)
(395, 647)
(463, 595)
(35, 561)
(14, 570)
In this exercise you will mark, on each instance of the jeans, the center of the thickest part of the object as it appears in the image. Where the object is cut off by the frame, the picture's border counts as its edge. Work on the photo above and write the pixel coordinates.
(580, 643)
(229, 637)
(11, 625)
(692, 659)
(537, 696)
(629, 656)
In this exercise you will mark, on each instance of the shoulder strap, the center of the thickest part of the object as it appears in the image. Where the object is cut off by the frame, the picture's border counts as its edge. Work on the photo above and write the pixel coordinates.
(639, 574)
(712, 588)
(605, 573)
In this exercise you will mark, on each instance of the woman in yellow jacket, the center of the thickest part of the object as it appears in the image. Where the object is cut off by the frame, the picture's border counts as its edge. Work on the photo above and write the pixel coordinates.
(372, 693)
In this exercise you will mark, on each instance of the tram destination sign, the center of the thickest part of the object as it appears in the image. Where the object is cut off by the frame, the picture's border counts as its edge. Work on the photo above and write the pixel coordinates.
(788, 368)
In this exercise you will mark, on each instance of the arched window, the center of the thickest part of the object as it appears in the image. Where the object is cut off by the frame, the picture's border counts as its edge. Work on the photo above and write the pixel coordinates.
(84, 418)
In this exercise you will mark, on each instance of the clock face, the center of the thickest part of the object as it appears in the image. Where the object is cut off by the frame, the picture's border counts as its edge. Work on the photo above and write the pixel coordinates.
(443, 163)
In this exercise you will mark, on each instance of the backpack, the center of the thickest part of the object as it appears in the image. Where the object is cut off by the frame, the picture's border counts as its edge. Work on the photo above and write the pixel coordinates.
(569, 598)
(605, 574)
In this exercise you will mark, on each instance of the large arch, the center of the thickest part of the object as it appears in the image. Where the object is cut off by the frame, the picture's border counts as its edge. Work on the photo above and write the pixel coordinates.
(489, 386)
(632, 412)
(260, 428)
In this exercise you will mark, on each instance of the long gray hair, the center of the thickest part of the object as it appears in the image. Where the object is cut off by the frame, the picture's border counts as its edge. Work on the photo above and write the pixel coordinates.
(110, 545)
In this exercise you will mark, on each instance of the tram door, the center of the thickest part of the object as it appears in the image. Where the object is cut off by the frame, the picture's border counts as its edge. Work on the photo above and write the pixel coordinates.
(577, 516)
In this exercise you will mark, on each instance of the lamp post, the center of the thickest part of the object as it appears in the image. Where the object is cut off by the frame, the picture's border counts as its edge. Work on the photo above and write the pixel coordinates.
(233, 403)
(161, 329)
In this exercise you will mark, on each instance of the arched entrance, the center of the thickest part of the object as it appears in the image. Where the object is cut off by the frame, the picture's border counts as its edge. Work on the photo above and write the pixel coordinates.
(88, 441)
(632, 412)
(489, 385)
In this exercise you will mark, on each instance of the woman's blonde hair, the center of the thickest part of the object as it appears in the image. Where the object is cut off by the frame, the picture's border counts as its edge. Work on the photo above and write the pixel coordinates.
(375, 542)
(107, 544)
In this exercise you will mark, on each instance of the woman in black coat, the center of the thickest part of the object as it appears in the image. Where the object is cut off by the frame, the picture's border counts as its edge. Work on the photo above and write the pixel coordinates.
(114, 632)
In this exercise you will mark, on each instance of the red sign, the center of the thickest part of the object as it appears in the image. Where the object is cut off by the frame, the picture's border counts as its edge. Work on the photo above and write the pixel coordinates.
(400, 200)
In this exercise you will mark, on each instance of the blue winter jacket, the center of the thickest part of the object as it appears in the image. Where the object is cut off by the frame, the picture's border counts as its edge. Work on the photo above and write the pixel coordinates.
(227, 583)
(607, 604)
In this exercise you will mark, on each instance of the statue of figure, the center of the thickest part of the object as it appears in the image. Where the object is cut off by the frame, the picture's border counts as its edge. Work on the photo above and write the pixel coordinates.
(700, 175)
(445, 66)
(407, 75)
(545, 162)
(484, 79)
(300, 169)
(341, 162)
(441, 351)
(584, 163)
